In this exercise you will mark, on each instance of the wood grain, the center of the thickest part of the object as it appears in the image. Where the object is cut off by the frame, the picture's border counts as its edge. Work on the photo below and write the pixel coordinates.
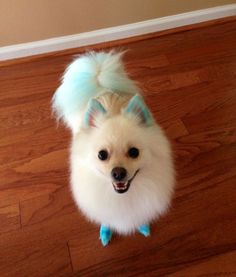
(188, 79)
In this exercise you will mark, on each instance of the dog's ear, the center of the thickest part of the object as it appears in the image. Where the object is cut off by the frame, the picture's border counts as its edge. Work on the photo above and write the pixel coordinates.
(95, 111)
(137, 109)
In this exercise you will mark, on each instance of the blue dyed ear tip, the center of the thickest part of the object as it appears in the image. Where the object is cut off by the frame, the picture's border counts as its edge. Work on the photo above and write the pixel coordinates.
(136, 100)
(139, 98)
(137, 106)
(94, 108)
(96, 105)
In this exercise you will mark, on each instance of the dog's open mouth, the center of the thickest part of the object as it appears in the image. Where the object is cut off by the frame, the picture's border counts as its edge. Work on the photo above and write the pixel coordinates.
(122, 187)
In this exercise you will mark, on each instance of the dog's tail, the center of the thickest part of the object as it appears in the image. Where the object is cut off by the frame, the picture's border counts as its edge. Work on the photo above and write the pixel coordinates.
(86, 77)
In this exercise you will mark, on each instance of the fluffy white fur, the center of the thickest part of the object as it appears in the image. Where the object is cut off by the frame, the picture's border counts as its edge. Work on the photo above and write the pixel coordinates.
(150, 192)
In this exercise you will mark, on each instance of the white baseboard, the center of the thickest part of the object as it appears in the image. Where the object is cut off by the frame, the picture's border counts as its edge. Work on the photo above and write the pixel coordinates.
(114, 33)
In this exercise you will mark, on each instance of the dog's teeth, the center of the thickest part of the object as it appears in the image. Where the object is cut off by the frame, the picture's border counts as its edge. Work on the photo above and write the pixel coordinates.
(121, 186)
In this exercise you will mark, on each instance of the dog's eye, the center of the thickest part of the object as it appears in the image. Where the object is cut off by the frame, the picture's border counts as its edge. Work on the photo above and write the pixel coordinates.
(103, 155)
(133, 152)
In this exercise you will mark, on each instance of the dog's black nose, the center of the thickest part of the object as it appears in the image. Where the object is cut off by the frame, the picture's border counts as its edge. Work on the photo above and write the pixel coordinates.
(118, 173)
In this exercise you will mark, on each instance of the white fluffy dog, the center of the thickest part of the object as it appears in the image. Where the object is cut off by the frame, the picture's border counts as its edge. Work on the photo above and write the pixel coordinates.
(122, 174)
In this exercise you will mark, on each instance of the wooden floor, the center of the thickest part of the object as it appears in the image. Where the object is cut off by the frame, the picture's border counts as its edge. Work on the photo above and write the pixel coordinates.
(189, 80)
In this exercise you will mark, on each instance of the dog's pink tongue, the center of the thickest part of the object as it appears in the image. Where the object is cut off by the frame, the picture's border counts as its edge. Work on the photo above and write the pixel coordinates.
(120, 185)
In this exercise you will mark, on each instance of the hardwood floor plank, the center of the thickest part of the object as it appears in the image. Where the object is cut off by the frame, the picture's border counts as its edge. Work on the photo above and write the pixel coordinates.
(54, 260)
(174, 129)
(9, 218)
(35, 210)
(194, 147)
(202, 97)
(214, 118)
(222, 265)
(23, 190)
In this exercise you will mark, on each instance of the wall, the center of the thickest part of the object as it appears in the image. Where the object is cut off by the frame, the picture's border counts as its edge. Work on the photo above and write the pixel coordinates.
(30, 20)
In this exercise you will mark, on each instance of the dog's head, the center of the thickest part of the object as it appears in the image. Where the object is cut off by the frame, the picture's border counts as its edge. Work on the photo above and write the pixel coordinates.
(117, 145)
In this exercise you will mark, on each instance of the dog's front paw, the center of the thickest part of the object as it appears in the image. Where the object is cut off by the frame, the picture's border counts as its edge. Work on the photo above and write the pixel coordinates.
(105, 235)
(144, 230)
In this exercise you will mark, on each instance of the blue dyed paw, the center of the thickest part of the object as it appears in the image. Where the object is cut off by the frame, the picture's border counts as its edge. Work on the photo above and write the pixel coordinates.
(144, 230)
(105, 235)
